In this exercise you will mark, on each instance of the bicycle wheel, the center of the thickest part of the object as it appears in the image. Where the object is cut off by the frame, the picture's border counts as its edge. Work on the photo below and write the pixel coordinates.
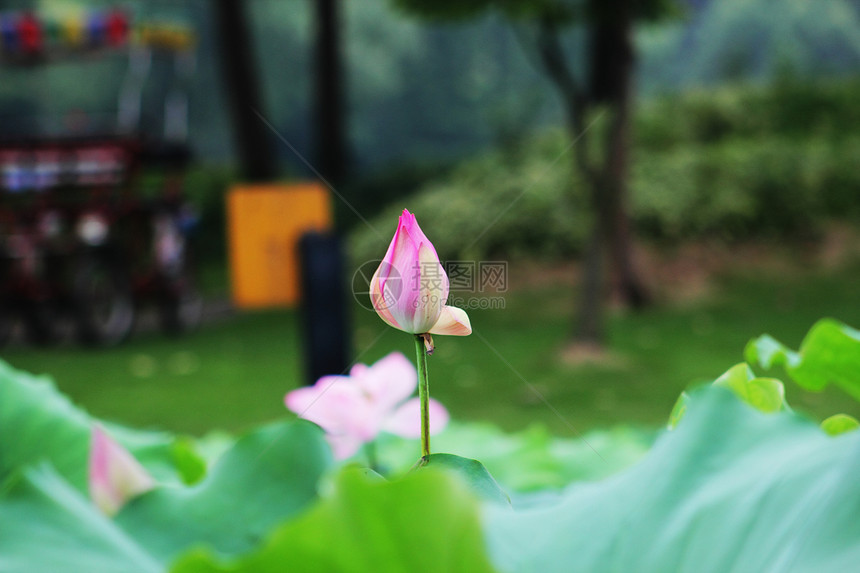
(103, 302)
(181, 306)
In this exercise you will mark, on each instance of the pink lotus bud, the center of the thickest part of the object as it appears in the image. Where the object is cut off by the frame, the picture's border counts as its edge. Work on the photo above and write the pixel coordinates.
(410, 287)
(115, 476)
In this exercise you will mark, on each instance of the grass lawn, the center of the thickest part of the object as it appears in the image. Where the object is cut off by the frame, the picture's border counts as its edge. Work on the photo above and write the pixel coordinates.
(234, 373)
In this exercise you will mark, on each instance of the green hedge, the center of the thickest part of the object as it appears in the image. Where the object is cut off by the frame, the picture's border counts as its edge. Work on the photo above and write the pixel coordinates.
(786, 107)
(732, 163)
(741, 188)
(463, 209)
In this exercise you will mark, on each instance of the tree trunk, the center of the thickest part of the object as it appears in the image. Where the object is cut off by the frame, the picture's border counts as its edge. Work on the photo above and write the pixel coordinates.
(330, 147)
(576, 104)
(253, 140)
(611, 69)
(612, 76)
(589, 328)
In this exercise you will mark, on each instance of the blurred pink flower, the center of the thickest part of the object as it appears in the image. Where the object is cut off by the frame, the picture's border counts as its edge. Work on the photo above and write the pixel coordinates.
(354, 409)
(115, 476)
(410, 287)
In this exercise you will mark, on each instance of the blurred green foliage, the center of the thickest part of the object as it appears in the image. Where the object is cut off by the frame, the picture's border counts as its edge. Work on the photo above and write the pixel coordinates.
(206, 189)
(829, 353)
(740, 162)
(787, 106)
(421, 91)
(730, 486)
(530, 194)
(528, 460)
(234, 373)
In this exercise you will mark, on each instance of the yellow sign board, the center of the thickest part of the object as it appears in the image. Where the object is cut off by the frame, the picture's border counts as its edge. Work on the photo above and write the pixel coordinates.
(264, 224)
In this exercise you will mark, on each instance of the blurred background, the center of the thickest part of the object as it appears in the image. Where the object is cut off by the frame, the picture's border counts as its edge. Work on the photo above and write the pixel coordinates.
(647, 186)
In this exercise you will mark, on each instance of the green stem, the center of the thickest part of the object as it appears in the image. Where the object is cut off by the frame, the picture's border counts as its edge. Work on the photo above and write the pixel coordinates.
(370, 452)
(423, 394)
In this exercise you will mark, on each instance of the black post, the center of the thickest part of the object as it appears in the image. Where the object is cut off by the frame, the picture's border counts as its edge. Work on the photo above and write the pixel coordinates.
(329, 113)
(325, 324)
(253, 139)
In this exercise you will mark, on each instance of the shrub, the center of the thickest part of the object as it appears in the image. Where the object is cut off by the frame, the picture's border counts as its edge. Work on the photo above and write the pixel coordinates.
(543, 218)
(734, 163)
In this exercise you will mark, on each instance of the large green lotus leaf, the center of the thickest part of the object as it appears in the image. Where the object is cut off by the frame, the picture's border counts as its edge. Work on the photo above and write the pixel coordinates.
(474, 474)
(426, 522)
(829, 354)
(46, 525)
(678, 410)
(528, 460)
(839, 424)
(267, 476)
(37, 423)
(765, 394)
(729, 489)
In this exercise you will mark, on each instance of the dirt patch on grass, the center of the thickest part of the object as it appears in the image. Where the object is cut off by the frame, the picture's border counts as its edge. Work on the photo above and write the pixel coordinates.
(585, 353)
(687, 273)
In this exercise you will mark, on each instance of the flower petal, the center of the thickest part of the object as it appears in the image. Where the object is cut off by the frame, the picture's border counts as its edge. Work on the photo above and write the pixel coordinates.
(381, 303)
(396, 268)
(358, 369)
(431, 286)
(308, 403)
(453, 321)
(406, 420)
(410, 224)
(407, 300)
(390, 381)
(343, 446)
(337, 405)
(114, 475)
